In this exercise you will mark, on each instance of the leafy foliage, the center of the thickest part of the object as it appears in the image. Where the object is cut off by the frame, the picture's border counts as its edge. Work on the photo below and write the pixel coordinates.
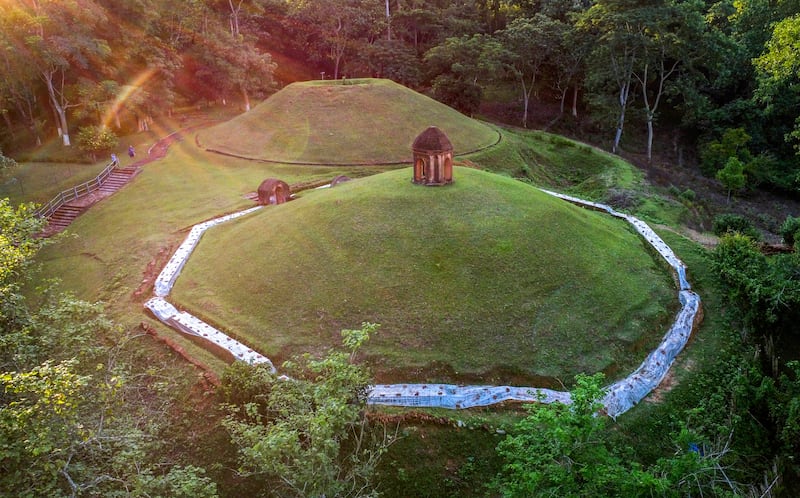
(730, 222)
(715, 155)
(565, 450)
(790, 230)
(461, 65)
(732, 175)
(765, 291)
(559, 449)
(96, 139)
(64, 427)
(306, 434)
(6, 162)
(17, 244)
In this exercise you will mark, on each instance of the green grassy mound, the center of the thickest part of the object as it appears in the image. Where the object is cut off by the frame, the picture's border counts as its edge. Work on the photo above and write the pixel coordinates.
(485, 280)
(367, 121)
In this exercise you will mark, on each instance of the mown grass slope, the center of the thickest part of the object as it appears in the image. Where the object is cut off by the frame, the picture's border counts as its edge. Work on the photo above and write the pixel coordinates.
(485, 280)
(367, 121)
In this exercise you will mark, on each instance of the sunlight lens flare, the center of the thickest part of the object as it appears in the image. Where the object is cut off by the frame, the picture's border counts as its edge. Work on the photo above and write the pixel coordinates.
(127, 91)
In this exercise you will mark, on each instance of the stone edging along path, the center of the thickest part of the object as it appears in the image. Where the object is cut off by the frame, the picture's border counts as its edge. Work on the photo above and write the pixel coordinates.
(620, 396)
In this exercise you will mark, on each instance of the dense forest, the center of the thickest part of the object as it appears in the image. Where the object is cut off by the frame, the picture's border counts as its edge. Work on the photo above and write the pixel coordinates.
(709, 85)
(717, 80)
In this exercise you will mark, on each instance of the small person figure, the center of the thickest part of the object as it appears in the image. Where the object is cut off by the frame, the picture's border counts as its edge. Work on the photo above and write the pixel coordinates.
(131, 152)
(114, 160)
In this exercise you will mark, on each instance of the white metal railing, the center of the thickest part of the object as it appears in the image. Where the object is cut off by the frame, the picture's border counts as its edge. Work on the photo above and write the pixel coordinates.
(76, 192)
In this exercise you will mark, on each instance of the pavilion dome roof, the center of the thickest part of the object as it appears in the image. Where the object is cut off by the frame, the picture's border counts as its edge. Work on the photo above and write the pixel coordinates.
(432, 140)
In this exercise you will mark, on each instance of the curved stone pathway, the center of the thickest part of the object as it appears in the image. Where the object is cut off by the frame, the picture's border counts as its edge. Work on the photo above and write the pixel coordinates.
(620, 396)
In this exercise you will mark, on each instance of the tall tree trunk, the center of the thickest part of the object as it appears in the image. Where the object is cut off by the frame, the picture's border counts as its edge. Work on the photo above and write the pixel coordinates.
(27, 112)
(624, 93)
(575, 101)
(9, 125)
(388, 22)
(58, 109)
(234, 18)
(526, 98)
(650, 110)
(246, 99)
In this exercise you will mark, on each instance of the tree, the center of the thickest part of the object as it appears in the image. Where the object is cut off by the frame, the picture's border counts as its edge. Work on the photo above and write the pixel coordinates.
(715, 154)
(17, 244)
(569, 60)
(335, 27)
(559, 450)
(17, 82)
(66, 428)
(530, 43)
(58, 40)
(97, 99)
(457, 66)
(308, 434)
(764, 291)
(670, 42)
(393, 60)
(565, 450)
(619, 27)
(95, 140)
(417, 25)
(732, 176)
(779, 68)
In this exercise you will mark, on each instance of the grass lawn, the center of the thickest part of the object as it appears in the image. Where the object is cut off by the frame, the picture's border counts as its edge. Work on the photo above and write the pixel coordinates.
(40, 182)
(558, 162)
(487, 280)
(514, 309)
(364, 121)
(104, 255)
(43, 173)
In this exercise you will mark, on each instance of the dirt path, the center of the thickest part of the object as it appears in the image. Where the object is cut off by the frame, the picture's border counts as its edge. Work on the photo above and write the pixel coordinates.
(706, 240)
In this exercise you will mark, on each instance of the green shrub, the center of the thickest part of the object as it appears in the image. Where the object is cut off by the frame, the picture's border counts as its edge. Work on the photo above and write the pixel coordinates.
(6, 162)
(96, 139)
(729, 222)
(790, 230)
(688, 195)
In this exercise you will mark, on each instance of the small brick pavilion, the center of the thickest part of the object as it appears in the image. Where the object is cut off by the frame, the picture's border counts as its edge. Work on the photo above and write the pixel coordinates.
(273, 191)
(433, 158)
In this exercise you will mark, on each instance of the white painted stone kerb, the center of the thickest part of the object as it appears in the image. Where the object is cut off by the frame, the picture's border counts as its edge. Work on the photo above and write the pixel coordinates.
(185, 322)
(620, 397)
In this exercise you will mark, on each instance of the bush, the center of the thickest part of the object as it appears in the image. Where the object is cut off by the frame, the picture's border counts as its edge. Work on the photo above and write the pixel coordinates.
(728, 223)
(96, 139)
(6, 162)
(790, 230)
(688, 195)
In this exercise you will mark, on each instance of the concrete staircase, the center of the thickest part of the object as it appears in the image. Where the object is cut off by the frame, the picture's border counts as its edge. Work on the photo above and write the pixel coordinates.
(117, 179)
(61, 219)
(67, 213)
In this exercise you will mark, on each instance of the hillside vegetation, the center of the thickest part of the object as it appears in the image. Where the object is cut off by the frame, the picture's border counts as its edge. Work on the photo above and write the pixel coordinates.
(366, 121)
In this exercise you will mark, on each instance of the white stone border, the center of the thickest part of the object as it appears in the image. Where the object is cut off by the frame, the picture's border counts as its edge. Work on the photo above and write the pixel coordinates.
(620, 396)
(189, 324)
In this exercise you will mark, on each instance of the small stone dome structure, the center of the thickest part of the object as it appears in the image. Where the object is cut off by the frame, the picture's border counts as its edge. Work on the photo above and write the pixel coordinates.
(273, 191)
(433, 158)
